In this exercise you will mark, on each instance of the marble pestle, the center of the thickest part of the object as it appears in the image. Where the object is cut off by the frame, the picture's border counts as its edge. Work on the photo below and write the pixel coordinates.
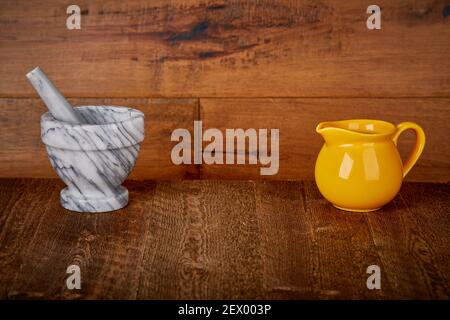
(58, 106)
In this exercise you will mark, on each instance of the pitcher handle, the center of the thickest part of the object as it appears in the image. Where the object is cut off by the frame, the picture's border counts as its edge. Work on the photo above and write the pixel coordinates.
(418, 147)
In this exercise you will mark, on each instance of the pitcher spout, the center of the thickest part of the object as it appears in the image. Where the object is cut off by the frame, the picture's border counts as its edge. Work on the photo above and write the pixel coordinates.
(331, 133)
(321, 127)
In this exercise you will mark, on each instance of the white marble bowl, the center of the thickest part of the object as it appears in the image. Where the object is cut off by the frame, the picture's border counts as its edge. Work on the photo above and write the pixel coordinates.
(94, 159)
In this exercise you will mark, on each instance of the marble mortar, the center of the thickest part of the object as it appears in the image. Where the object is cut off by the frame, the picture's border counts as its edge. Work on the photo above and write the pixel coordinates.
(93, 159)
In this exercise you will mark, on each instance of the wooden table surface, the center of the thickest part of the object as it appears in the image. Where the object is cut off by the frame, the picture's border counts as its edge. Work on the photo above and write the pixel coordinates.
(223, 239)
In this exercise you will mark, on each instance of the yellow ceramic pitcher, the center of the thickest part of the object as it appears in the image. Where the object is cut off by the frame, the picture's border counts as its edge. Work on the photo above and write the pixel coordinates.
(359, 167)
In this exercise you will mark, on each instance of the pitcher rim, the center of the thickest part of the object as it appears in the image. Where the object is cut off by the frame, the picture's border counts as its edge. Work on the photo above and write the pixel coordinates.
(392, 128)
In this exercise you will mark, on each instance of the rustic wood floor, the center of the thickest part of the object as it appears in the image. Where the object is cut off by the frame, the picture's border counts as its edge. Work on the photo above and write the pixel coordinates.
(223, 239)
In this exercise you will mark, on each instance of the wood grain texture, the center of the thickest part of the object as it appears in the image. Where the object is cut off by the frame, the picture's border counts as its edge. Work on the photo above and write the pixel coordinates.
(223, 239)
(299, 229)
(196, 48)
(22, 153)
(109, 246)
(300, 144)
(415, 250)
(207, 257)
(14, 233)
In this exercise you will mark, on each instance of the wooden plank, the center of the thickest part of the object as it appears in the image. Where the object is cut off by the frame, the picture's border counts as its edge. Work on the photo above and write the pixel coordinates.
(413, 242)
(18, 223)
(106, 247)
(299, 143)
(223, 239)
(204, 243)
(287, 244)
(22, 153)
(196, 48)
(340, 269)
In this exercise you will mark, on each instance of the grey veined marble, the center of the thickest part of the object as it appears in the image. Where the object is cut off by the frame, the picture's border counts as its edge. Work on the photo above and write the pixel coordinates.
(58, 106)
(93, 159)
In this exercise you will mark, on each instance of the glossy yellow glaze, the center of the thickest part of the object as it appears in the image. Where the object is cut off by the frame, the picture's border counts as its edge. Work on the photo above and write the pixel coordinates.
(359, 168)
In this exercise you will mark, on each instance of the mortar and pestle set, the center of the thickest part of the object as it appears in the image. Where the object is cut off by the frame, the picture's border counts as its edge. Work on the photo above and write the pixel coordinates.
(92, 148)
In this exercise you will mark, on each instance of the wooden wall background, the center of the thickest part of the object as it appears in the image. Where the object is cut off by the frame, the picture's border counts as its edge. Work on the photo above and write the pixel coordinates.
(263, 64)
